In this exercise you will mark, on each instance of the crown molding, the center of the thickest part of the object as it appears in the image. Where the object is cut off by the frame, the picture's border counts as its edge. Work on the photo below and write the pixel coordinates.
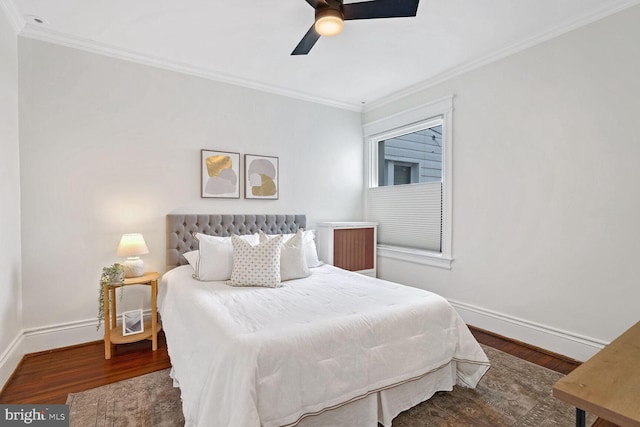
(32, 31)
(607, 9)
(35, 32)
(14, 16)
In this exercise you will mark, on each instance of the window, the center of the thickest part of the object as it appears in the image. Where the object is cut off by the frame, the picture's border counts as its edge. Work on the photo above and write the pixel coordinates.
(403, 173)
(411, 158)
(409, 193)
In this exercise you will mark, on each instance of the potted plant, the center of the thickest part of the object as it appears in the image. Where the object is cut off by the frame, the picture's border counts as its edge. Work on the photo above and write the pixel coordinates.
(111, 275)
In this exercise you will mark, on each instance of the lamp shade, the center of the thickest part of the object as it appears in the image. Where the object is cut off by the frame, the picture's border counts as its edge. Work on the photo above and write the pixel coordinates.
(329, 22)
(132, 245)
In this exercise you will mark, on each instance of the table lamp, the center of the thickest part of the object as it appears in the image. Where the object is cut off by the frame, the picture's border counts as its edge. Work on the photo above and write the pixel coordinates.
(132, 245)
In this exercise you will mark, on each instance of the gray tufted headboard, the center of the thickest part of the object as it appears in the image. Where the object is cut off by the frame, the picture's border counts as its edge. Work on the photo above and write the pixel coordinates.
(180, 228)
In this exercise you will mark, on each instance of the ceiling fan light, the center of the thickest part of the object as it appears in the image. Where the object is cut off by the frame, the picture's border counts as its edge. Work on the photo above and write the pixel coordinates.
(329, 22)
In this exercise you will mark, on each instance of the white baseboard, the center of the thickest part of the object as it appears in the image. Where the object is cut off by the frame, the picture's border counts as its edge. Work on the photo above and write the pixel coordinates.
(61, 335)
(66, 334)
(556, 340)
(10, 358)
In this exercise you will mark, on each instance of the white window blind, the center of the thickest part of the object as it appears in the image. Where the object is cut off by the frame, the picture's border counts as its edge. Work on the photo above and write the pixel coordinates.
(408, 215)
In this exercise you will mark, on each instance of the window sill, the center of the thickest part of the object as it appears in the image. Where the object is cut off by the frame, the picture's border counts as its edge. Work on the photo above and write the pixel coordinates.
(416, 256)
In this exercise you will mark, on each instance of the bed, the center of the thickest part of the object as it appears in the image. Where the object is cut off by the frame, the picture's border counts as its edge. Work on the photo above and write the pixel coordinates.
(334, 348)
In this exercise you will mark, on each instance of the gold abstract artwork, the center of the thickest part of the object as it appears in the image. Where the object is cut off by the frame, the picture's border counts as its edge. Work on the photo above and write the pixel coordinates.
(267, 187)
(216, 164)
(220, 173)
(261, 177)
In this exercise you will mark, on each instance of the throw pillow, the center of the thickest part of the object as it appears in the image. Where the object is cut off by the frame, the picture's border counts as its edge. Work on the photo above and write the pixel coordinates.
(293, 264)
(257, 265)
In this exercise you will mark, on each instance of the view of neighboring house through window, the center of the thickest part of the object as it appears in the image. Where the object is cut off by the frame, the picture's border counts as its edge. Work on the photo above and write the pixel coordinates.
(411, 158)
(409, 194)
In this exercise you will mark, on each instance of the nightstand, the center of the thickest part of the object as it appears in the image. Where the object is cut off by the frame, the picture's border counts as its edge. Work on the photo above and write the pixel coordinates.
(348, 245)
(113, 332)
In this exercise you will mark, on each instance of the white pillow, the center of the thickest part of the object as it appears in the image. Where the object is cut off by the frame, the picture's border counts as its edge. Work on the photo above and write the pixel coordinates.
(257, 265)
(310, 250)
(216, 256)
(192, 258)
(293, 264)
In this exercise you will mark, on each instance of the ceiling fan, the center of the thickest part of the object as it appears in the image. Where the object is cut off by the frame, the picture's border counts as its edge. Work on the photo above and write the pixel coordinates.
(331, 14)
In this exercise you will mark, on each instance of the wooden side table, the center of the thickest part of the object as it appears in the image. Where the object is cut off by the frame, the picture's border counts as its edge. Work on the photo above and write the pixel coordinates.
(608, 384)
(113, 332)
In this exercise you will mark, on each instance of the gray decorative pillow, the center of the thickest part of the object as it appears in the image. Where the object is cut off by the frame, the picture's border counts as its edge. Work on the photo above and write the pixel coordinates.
(293, 264)
(257, 265)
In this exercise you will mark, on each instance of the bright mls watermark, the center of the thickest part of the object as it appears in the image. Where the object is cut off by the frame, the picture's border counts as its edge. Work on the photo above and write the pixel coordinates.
(34, 415)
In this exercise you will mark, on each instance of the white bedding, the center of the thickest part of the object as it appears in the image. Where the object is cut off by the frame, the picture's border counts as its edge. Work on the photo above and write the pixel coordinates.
(267, 356)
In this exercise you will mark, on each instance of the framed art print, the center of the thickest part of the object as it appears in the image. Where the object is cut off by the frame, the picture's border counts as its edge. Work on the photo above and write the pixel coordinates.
(220, 172)
(132, 322)
(260, 177)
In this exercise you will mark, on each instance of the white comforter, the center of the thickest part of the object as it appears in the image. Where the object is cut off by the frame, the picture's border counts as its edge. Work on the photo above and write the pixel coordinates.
(266, 356)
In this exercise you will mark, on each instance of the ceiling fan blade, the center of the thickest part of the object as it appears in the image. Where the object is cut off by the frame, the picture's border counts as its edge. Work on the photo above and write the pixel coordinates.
(307, 42)
(316, 3)
(381, 9)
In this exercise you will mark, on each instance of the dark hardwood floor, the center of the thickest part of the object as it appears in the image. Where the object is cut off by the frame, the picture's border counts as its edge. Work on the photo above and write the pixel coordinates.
(536, 355)
(48, 377)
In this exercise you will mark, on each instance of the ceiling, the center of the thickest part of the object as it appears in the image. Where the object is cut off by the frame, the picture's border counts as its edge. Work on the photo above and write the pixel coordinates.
(249, 42)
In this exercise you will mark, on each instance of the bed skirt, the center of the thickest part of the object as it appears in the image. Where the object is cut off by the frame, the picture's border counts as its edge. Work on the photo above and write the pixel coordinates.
(383, 406)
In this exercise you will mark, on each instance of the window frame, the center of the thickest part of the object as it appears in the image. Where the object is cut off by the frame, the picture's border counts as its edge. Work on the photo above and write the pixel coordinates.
(401, 123)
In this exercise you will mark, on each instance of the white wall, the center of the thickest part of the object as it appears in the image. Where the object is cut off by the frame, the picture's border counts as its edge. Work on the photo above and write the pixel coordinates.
(109, 147)
(545, 164)
(546, 169)
(10, 269)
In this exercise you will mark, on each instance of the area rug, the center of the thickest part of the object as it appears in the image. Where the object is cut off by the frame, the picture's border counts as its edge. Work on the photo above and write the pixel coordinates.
(512, 393)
